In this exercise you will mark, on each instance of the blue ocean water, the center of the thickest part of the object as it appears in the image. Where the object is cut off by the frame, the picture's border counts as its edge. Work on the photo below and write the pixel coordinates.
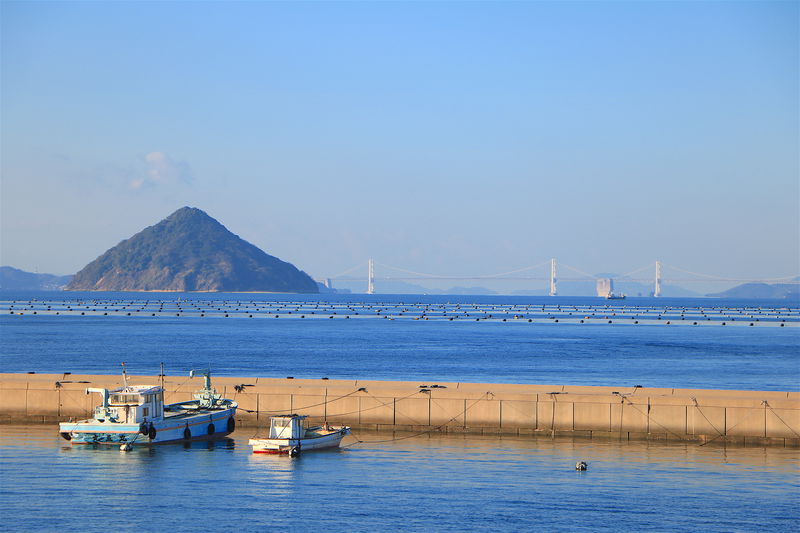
(396, 481)
(437, 483)
(651, 355)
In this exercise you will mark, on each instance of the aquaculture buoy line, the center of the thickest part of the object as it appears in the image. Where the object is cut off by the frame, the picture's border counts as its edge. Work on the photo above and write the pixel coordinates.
(695, 316)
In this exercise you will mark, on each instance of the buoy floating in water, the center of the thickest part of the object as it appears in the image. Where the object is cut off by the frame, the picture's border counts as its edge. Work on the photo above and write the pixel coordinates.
(125, 447)
(581, 466)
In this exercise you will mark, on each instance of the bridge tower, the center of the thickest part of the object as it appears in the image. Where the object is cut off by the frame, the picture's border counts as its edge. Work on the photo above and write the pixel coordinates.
(657, 288)
(553, 291)
(371, 277)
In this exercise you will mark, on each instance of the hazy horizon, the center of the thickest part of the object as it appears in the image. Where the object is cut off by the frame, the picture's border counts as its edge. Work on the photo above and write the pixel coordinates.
(447, 138)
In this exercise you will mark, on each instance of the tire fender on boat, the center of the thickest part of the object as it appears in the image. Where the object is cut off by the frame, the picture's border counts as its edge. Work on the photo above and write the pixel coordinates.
(152, 432)
(187, 433)
(65, 435)
(211, 429)
(231, 425)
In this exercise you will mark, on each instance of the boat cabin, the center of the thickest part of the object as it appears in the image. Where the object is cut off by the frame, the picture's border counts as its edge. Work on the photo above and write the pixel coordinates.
(132, 404)
(287, 427)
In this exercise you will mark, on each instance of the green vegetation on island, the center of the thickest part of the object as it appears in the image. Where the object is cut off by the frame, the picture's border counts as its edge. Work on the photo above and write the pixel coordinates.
(190, 251)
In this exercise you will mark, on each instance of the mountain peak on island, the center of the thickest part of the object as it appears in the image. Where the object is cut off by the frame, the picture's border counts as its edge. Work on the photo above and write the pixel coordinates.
(190, 251)
(187, 212)
(191, 215)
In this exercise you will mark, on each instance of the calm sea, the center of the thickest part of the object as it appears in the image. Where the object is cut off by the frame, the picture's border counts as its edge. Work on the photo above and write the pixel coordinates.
(423, 483)
(651, 355)
(417, 484)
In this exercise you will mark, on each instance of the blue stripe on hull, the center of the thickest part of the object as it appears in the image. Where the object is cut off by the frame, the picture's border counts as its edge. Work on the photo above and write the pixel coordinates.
(167, 431)
(111, 439)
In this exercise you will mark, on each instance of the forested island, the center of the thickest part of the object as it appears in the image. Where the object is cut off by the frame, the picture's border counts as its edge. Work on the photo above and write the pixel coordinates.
(190, 251)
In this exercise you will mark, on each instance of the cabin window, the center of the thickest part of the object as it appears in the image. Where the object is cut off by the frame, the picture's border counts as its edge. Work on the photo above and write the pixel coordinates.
(124, 399)
(144, 411)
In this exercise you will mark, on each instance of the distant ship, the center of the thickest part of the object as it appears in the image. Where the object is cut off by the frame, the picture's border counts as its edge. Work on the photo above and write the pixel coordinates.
(605, 289)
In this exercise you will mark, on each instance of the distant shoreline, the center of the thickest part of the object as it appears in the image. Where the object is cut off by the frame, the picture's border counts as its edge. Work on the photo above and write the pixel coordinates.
(186, 292)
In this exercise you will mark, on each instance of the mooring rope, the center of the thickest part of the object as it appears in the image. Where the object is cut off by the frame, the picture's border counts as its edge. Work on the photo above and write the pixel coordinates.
(649, 418)
(733, 426)
(719, 433)
(71, 398)
(299, 408)
(428, 431)
(381, 404)
(781, 419)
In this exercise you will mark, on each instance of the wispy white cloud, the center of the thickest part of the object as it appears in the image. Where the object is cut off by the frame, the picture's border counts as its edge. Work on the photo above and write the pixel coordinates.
(161, 169)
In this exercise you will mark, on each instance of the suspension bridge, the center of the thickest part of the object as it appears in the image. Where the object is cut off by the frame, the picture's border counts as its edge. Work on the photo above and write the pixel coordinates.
(548, 271)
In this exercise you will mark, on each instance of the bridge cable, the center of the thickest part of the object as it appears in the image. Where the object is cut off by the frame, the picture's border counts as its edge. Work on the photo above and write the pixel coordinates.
(408, 271)
(579, 271)
(347, 271)
(484, 276)
(720, 278)
(635, 271)
(515, 271)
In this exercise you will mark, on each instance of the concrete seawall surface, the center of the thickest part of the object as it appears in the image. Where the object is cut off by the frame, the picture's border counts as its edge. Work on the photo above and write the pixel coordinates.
(736, 417)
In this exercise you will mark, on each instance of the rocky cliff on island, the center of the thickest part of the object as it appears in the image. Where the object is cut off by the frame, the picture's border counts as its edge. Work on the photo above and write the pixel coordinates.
(190, 251)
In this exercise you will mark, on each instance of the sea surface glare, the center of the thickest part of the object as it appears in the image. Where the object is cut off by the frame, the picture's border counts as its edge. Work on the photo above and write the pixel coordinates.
(403, 482)
(437, 483)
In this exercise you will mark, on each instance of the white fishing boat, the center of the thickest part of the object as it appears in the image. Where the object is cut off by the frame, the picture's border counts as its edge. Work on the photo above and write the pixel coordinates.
(288, 434)
(136, 414)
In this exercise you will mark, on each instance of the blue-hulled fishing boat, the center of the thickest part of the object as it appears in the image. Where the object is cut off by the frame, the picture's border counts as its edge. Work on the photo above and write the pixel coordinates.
(136, 415)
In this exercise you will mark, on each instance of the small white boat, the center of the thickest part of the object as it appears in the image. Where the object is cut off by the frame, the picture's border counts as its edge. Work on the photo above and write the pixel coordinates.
(136, 414)
(288, 434)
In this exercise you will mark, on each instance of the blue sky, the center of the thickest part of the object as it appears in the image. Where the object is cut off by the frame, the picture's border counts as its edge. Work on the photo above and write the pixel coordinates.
(453, 138)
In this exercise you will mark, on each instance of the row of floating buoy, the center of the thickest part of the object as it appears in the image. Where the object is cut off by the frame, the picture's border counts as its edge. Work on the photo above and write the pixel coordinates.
(273, 303)
(329, 309)
(541, 320)
(298, 306)
(404, 310)
(333, 310)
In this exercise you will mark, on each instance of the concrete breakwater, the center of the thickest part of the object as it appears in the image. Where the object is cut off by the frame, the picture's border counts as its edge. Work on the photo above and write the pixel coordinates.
(736, 417)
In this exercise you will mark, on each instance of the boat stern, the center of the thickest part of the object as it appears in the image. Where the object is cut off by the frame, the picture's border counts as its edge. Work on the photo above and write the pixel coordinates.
(274, 446)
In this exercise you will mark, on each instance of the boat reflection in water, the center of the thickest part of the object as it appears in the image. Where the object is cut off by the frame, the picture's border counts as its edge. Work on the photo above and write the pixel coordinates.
(379, 482)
